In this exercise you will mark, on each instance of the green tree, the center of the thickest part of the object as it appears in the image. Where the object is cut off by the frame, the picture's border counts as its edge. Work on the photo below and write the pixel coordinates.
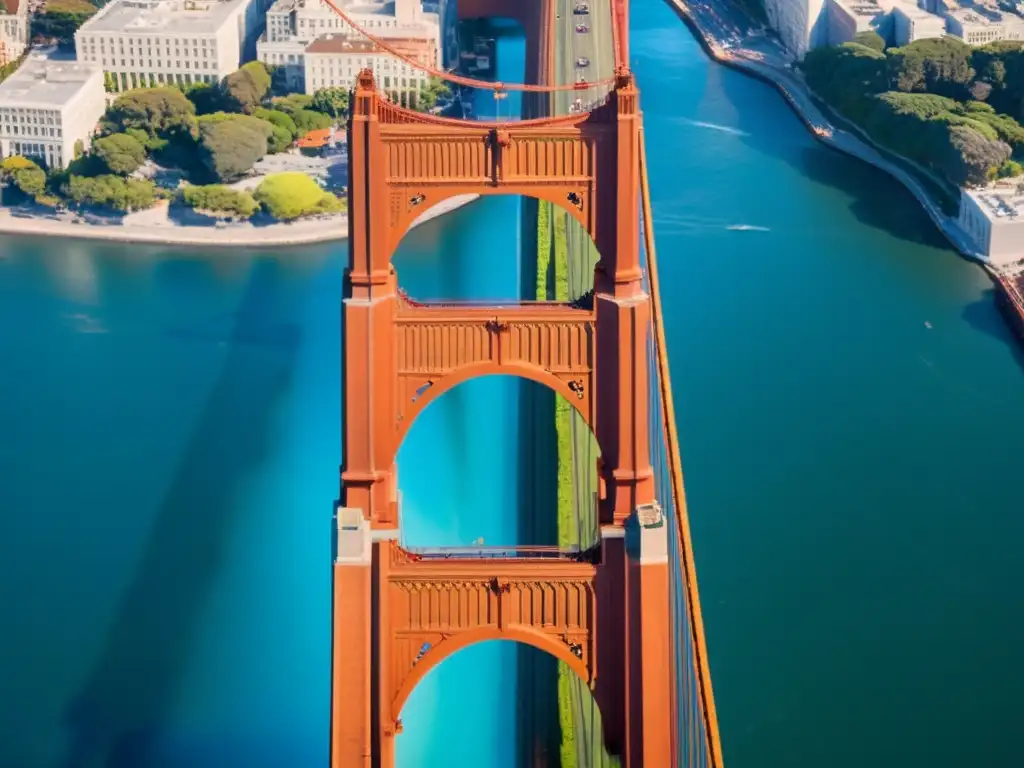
(1010, 169)
(112, 192)
(109, 83)
(60, 25)
(247, 87)
(158, 111)
(870, 39)
(292, 102)
(330, 101)
(217, 198)
(288, 196)
(231, 144)
(26, 175)
(847, 76)
(298, 107)
(121, 153)
(307, 120)
(207, 98)
(279, 139)
(939, 65)
(278, 118)
(973, 158)
(431, 91)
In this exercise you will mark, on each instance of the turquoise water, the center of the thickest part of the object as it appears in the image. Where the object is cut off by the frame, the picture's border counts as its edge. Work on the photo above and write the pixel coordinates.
(170, 426)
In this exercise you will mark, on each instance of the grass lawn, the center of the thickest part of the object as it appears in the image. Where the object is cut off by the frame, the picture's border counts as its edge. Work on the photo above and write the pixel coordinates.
(70, 6)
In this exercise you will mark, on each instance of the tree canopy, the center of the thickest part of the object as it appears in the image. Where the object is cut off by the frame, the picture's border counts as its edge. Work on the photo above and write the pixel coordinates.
(159, 111)
(299, 108)
(283, 128)
(112, 192)
(26, 175)
(936, 101)
(120, 152)
(231, 144)
(940, 65)
(870, 39)
(330, 101)
(432, 90)
(247, 87)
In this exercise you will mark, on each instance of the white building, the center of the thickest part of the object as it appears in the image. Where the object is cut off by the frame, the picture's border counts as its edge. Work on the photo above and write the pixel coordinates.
(14, 25)
(994, 218)
(334, 61)
(847, 18)
(47, 106)
(293, 24)
(978, 25)
(157, 42)
(800, 24)
(911, 23)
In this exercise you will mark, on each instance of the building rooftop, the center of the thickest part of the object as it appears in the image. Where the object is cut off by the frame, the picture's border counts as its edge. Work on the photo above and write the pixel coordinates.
(1002, 203)
(912, 11)
(339, 43)
(387, 7)
(12, 7)
(162, 16)
(984, 17)
(45, 82)
(863, 8)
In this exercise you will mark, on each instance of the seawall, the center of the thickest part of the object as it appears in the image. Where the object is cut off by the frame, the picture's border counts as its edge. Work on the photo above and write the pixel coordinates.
(233, 236)
(856, 147)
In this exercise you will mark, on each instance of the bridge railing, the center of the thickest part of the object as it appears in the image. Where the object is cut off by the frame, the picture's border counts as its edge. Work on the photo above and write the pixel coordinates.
(500, 553)
(696, 739)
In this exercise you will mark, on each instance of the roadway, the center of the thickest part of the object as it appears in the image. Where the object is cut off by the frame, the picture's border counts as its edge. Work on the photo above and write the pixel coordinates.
(570, 45)
(596, 45)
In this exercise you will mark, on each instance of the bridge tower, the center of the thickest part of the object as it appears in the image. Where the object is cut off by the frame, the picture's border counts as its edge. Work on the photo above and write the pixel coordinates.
(397, 615)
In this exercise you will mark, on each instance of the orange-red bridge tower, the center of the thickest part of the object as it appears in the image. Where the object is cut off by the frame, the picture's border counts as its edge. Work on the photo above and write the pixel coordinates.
(398, 615)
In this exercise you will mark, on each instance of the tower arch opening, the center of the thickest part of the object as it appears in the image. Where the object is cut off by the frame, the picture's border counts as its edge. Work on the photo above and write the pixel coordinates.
(532, 699)
(495, 462)
(499, 247)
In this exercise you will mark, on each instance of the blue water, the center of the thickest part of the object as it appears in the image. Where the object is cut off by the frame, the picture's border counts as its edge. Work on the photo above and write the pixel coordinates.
(170, 444)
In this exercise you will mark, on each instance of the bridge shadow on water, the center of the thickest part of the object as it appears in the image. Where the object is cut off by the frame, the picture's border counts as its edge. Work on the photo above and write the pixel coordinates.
(985, 316)
(118, 719)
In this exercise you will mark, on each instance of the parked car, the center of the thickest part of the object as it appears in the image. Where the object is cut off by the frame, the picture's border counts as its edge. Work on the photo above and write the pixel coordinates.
(582, 61)
(582, 28)
(581, 8)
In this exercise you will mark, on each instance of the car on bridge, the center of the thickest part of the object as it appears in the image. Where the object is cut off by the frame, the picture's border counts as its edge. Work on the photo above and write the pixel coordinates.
(581, 9)
(582, 28)
(582, 61)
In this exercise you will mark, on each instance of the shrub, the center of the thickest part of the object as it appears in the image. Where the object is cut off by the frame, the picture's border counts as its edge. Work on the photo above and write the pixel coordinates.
(112, 192)
(26, 175)
(288, 196)
(220, 199)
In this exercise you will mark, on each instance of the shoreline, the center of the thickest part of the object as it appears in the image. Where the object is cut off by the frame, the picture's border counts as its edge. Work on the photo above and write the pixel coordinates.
(1008, 298)
(308, 232)
(855, 146)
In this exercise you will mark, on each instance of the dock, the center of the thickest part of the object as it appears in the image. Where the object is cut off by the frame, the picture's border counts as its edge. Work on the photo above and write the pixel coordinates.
(1010, 295)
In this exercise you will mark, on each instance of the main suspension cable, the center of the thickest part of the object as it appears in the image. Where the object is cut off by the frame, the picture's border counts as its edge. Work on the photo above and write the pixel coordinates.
(470, 82)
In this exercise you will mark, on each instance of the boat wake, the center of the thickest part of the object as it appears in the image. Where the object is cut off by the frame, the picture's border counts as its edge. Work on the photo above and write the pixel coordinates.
(747, 228)
(714, 127)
